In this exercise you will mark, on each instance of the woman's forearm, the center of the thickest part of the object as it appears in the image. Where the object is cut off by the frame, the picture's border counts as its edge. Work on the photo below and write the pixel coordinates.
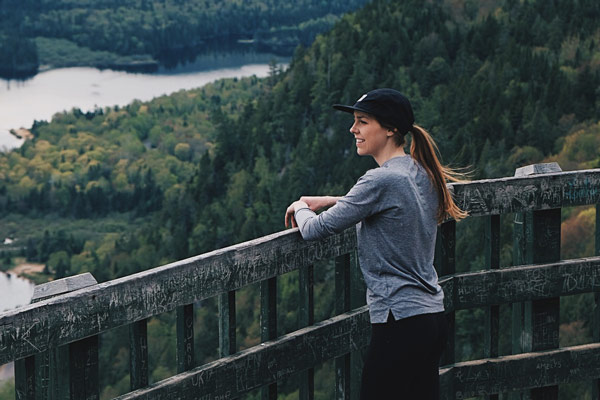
(316, 203)
(313, 203)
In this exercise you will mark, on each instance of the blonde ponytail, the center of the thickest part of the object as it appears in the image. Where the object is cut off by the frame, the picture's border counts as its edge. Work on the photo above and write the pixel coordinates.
(424, 150)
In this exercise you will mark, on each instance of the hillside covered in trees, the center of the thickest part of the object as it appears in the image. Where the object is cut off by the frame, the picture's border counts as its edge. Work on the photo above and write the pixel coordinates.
(140, 34)
(499, 84)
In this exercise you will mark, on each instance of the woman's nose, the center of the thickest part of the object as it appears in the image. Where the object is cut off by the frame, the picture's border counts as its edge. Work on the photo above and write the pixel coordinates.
(353, 128)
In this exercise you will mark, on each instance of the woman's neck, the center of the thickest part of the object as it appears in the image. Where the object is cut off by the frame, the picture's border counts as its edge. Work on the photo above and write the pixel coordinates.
(388, 155)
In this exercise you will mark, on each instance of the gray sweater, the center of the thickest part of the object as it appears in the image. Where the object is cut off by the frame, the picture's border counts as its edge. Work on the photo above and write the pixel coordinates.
(394, 209)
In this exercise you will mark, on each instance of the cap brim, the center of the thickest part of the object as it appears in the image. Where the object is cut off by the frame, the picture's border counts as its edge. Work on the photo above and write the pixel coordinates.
(348, 109)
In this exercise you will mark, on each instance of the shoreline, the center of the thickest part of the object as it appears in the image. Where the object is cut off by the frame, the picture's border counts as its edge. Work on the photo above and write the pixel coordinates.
(148, 64)
(26, 268)
(135, 66)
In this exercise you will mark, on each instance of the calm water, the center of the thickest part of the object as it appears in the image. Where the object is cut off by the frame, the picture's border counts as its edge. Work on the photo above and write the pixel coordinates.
(14, 291)
(49, 92)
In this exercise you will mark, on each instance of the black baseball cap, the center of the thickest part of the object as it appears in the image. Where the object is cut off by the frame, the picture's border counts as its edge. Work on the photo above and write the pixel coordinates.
(389, 106)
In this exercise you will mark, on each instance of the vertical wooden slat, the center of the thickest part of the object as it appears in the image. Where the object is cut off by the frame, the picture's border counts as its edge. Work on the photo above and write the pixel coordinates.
(342, 304)
(446, 265)
(25, 379)
(306, 317)
(268, 312)
(521, 312)
(358, 288)
(597, 229)
(51, 381)
(306, 281)
(546, 320)
(83, 363)
(492, 317)
(185, 338)
(342, 283)
(58, 379)
(227, 324)
(268, 324)
(357, 299)
(42, 372)
(138, 355)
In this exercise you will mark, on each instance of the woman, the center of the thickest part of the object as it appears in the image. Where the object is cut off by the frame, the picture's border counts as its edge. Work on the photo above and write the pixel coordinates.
(396, 209)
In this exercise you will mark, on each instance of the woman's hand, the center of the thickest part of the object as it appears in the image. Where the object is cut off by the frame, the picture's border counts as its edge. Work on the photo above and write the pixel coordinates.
(315, 203)
(289, 213)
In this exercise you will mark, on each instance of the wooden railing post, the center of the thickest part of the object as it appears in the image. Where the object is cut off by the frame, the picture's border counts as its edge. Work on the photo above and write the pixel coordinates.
(185, 337)
(83, 359)
(268, 324)
(138, 354)
(492, 317)
(598, 229)
(521, 312)
(596, 330)
(541, 244)
(227, 324)
(69, 371)
(446, 265)
(357, 299)
(306, 317)
(342, 304)
(25, 378)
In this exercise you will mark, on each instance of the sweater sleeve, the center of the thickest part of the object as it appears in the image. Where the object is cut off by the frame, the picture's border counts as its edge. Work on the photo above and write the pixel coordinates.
(360, 202)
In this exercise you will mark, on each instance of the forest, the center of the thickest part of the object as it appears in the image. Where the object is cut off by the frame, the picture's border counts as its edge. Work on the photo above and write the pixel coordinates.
(499, 84)
(141, 34)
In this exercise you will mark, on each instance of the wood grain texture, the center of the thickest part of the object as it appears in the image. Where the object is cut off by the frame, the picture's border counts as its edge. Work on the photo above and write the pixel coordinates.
(86, 312)
(532, 282)
(538, 192)
(520, 371)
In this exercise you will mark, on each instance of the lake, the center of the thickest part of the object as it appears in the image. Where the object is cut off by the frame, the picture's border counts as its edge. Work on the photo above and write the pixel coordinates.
(52, 91)
(55, 90)
(14, 291)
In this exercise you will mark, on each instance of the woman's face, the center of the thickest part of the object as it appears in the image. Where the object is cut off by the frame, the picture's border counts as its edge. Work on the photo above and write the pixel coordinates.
(371, 137)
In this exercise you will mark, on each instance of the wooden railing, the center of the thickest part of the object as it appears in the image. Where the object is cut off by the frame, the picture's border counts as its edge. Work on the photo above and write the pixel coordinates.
(54, 340)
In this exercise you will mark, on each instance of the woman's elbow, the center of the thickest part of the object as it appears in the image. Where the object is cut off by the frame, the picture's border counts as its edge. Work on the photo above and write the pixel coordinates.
(311, 233)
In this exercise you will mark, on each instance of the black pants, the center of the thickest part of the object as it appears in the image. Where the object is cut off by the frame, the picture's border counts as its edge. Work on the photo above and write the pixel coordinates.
(403, 357)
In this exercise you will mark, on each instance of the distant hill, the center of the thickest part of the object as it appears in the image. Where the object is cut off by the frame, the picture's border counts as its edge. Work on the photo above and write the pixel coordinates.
(140, 34)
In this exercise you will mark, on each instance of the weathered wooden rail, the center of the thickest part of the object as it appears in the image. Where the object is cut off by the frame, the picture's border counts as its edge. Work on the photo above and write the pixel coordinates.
(54, 339)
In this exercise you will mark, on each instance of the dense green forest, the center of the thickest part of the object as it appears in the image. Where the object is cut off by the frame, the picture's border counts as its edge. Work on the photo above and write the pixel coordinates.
(139, 34)
(499, 84)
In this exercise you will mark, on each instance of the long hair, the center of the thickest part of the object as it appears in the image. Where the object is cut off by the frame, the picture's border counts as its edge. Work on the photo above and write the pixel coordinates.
(424, 150)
